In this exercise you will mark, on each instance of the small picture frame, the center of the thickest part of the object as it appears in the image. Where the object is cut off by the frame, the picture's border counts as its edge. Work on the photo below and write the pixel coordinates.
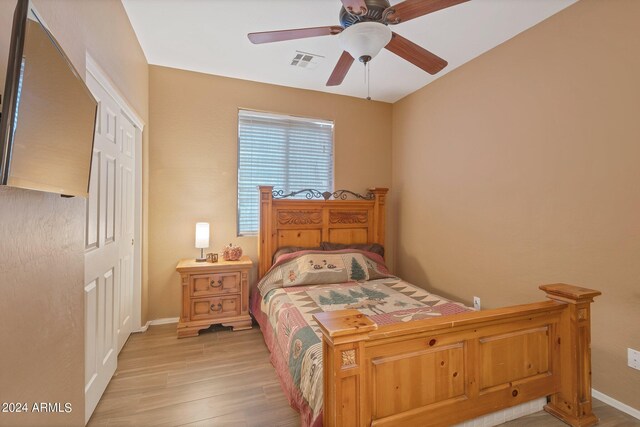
(211, 257)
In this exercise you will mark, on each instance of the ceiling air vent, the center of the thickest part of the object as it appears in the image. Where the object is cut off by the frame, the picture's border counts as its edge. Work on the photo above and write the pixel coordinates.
(306, 60)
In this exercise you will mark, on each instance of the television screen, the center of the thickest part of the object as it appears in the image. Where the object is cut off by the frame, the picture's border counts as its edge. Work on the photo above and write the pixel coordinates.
(48, 119)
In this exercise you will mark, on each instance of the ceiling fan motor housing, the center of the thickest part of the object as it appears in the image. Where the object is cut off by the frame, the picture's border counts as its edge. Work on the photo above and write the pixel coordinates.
(375, 13)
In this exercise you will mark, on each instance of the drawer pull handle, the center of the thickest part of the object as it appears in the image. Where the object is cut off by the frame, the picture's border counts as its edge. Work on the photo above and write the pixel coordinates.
(213, 283)
(216, 309)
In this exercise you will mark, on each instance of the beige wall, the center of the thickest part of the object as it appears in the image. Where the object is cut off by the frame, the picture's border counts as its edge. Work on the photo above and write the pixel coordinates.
(41, 235)
(521, 168)
(193, 161)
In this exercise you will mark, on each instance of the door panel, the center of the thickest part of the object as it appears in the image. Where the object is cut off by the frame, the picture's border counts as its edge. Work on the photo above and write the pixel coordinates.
(107, 291)
(110, 205)
(109, 121)
(92, 231)
(125, 301)
(90, 332)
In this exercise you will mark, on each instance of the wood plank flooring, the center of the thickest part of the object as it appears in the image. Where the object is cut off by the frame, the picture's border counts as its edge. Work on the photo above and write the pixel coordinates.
(222, 378)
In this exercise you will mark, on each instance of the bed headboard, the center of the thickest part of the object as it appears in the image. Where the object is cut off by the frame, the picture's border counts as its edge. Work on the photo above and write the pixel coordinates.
(296, 222)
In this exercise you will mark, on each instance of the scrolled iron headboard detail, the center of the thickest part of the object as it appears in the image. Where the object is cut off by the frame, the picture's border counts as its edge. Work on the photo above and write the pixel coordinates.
(311, 194)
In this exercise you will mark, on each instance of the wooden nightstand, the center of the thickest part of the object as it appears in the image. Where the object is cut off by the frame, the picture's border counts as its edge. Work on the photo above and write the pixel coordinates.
(215, 293)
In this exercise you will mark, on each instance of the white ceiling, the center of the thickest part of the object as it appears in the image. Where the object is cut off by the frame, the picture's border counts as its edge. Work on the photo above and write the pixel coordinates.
(210, 36)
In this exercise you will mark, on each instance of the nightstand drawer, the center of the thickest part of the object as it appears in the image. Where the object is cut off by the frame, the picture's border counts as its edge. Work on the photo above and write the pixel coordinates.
(210, 308)
(215, 284)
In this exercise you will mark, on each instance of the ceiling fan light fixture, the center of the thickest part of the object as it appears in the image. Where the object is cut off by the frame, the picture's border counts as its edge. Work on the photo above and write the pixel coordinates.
(365, 40)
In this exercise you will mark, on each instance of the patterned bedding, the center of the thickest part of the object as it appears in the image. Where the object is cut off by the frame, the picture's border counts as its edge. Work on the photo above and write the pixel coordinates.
(284, 313)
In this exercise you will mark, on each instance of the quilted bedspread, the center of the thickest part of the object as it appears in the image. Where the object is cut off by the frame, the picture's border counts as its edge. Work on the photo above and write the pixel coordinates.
(294, 338)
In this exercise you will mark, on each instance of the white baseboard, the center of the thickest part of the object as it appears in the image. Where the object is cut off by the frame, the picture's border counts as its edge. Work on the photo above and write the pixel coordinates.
(616, 404)
(165, 321)
(143, 328)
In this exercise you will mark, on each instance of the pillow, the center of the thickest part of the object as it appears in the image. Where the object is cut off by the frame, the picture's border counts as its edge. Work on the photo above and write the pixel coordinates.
(320, 268)
(290, 249)
(377, 270)
(376, 248)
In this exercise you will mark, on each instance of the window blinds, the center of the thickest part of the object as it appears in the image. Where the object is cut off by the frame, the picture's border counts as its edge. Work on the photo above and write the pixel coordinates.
(290, 153)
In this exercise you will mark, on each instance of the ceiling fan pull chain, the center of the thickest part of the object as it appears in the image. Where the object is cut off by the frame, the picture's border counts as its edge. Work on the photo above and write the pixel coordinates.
(367, 68)
(365, 73)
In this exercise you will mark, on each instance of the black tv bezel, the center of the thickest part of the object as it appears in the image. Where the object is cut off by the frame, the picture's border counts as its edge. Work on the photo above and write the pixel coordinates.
(12, 82)
(10, 104)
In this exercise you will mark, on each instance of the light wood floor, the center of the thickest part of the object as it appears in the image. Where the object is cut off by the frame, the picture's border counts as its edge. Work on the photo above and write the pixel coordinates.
(222, 378)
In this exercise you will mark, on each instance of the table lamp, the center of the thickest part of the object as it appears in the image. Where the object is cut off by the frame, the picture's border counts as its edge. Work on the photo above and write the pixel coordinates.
(202, 239)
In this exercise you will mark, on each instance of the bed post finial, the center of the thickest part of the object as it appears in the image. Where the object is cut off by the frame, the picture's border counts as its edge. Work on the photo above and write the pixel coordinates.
(572, 403)
(264, 239)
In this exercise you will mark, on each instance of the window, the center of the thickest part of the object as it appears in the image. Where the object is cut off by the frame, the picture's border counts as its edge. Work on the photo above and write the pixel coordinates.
(290, 153)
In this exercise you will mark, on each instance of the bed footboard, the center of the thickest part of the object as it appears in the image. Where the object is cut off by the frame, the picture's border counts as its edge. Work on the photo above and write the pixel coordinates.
(437, 372)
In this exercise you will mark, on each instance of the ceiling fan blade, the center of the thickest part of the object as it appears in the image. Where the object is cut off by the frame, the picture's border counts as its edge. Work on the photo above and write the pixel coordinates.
(418, 56)
(410, 9)
(355, 7)
(301, 33)
(341, 69)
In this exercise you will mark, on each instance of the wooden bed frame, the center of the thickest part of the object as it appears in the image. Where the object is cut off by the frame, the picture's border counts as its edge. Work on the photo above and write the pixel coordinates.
(440, 371)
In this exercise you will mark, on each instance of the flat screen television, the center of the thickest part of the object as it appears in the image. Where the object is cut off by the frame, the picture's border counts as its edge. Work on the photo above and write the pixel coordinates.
(48, 114)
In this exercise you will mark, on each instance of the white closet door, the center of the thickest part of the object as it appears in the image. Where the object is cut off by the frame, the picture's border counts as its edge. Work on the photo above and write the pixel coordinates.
(108, 245)
(126, 199)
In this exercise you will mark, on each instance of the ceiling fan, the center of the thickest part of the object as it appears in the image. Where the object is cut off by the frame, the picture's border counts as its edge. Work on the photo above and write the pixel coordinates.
(364, 31)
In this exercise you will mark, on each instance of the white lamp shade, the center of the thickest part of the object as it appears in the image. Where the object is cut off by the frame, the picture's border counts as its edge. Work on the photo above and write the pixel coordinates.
(365, 39)
(202, 235)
